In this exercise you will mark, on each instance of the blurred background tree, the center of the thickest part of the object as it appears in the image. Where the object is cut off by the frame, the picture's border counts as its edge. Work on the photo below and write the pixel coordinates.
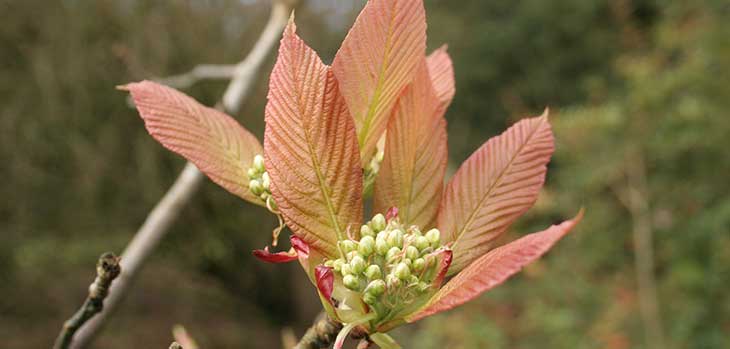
(637, 90)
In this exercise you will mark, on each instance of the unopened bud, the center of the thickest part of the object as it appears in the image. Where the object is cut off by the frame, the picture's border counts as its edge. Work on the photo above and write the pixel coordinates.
(258, 163)
(369, 298)
(392, 254)
(434, 237)
(365, 230)
(373, 272)
(347, 246)
(414, 230)
(395, 238)
(419, 264)
(381, 246)
(411, 252)
(378, 222)
(346, 269)
(413, 280)
(367, 246)
(375, 287)
(358, 265)
(402, 271)
(252, 172)
(329, 263)
(350, 281)
(392, 281)
(421, 242)
(255, 187)
(337, 264)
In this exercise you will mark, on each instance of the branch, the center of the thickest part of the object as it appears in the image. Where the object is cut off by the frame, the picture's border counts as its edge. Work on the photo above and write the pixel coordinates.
(107, 269)
(321, 334)
(168, 209)
(200, 72)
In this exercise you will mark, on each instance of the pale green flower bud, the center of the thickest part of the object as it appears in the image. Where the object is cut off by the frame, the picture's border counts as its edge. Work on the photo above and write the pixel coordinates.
(378, 222)
(350, 281)
(337, 264)
(375, 288)
(252, 173)
(369, 298)
(412, 252)
(413, 280)
(264, 196)
(367, 246)
(266, 180)
(365, 230)
(255, 187)
(358, 265)
(381, 246)
(421, 242)
(392, 281)
(395, 238)
(347, 246)
(402, 271)
(329, 263)
(414, 230)
(408, 262)
(346, 269)
(351, 255)
(258, 163)
(426, 250)
(373, 272)
(419, 264)
(392, 254)
(422, 287)
(382, 235)
(434, 237)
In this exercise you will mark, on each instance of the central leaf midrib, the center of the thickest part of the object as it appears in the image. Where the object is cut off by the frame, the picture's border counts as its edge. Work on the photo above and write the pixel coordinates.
(379, 84)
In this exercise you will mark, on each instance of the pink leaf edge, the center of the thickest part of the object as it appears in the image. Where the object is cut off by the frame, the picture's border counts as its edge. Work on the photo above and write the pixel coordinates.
(494, 268)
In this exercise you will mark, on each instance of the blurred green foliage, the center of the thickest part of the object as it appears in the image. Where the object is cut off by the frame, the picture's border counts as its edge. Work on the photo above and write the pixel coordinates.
(638, 96)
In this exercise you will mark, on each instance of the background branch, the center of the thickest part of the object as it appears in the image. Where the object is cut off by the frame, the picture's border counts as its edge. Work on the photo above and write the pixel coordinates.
(168, 209)
(107, 269)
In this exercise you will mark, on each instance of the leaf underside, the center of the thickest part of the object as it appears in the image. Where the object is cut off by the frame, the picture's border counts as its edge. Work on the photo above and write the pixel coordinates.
(412, 173)
(494, 268)
(376, 61)
(442, 73)
(494, 186)
(218, 145)
(311, 148)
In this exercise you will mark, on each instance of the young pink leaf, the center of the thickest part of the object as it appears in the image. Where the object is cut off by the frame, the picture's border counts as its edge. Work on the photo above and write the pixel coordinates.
(300, 246)
(412, 173)
(442, 74)
(310, 148)
(376, 61)
(496, 185)
(325, 281)
(208, 138)
(446, 256)
(494, 268)
(275, 257)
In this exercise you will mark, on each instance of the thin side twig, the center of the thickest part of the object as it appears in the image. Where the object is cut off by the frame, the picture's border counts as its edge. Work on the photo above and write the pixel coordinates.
(168, 209)
(200, 72)
(107, 269)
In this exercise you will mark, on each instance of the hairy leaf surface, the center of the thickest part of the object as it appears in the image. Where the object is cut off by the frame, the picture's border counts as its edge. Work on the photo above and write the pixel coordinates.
(442, 73)
(494, 268)
(311, 148)
(494, 186)
(376, 61)
(208, 138)
(412, 173)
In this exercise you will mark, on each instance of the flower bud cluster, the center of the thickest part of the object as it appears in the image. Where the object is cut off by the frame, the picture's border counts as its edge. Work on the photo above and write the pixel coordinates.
(390, 265)
(259, 181)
